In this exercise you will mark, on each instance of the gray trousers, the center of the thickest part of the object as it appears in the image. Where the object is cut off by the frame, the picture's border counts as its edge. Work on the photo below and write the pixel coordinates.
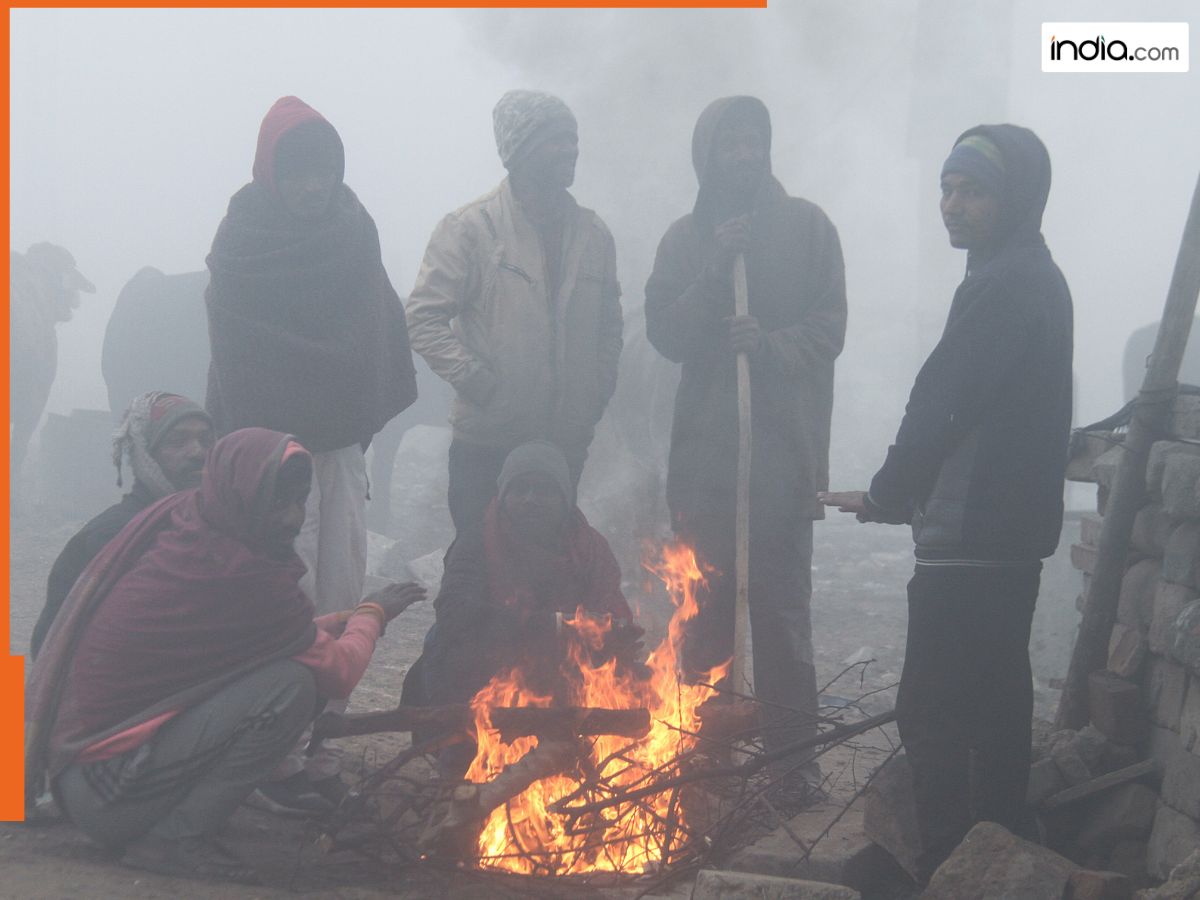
(780, 620)
(189, 778)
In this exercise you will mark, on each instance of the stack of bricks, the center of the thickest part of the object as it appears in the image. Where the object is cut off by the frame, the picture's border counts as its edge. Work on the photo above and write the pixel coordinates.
(1149, 698)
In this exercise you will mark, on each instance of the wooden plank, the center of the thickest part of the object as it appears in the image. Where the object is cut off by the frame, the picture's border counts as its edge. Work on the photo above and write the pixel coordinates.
(1096, 785)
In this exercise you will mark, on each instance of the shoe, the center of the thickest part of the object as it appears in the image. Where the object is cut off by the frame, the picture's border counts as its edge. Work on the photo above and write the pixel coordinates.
(192, 857)
(292, 796)
(332, 789)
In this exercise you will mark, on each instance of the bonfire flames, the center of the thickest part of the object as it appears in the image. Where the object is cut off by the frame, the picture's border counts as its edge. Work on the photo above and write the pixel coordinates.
(526, 835)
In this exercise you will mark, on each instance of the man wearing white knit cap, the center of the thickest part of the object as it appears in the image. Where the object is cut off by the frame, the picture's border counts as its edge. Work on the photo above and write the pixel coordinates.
(517, 305)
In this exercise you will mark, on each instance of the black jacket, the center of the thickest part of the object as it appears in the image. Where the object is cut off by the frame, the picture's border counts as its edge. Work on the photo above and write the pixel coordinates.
(978, 462)
(80, 550)
(797, 292)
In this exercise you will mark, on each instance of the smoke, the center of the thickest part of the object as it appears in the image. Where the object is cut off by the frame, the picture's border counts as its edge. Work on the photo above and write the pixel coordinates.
(131, 129)
(866, 101)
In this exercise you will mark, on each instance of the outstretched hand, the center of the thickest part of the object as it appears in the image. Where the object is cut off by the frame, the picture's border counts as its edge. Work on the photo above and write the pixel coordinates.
(845, 501)
(396, 598)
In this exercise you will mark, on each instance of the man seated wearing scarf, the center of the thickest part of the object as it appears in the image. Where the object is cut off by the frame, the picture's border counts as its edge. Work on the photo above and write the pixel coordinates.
(186, 662)
(510, 590)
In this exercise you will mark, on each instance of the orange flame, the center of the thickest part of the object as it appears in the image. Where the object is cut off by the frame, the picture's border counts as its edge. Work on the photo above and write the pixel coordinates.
(525, 836)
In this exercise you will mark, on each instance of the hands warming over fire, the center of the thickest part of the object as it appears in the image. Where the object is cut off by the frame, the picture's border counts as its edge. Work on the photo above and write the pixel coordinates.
(396, 598)
(864, 509)
(846, 501)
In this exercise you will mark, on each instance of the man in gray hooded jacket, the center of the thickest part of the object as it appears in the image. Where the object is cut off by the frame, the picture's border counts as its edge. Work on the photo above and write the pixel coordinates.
(793, 334)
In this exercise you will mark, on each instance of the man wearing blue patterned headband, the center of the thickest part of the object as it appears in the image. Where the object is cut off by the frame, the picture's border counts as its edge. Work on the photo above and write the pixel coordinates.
(977, 469)
(517, 305)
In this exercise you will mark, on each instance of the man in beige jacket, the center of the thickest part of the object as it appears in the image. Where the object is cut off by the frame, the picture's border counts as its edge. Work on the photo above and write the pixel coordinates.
(517, 305)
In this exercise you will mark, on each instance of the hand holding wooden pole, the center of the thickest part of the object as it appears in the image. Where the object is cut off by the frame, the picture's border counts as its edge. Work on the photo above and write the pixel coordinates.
(741, 621)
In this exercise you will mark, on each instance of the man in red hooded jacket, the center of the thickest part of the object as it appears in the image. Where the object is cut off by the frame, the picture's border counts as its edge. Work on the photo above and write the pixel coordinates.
(308, 338)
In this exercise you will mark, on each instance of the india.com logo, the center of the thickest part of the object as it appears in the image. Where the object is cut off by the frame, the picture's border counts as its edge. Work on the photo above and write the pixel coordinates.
(1114, 46)
(1099, 48)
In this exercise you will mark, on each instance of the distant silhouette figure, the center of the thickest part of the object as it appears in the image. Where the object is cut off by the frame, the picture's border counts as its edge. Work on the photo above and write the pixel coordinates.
(44, 288)
(157, 339)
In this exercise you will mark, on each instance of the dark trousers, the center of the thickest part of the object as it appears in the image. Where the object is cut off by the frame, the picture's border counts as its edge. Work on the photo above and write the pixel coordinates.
(780, 619)
(196, 770)
(965, 704)
(474, 469)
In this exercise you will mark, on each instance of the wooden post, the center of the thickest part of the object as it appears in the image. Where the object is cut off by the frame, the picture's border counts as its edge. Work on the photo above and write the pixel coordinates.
(741, 621)
(1127, 495)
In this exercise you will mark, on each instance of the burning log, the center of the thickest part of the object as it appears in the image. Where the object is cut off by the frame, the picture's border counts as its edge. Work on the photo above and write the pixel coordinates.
(512, 721)
(457, 833)
(720, 721)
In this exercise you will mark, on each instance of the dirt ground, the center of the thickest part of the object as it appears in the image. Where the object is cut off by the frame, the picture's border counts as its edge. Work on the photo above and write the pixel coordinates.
(858, 614)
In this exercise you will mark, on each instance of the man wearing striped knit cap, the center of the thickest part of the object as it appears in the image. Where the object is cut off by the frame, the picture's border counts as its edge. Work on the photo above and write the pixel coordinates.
(517, 306)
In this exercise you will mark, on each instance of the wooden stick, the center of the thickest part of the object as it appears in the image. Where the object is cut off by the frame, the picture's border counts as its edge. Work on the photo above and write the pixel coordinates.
(1150, 416)
(1096, 785)
(511, 721)
(741, 621)
(837, 735)
(521, 721)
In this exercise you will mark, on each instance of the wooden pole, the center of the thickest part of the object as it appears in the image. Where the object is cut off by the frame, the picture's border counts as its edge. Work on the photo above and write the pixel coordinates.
(1127, 495)
(741, 621)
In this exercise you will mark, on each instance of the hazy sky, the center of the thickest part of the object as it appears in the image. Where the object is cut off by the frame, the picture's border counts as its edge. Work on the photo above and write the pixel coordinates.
(131, 129)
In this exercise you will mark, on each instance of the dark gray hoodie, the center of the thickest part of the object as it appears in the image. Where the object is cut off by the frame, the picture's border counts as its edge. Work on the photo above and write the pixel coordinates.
(797, 292)
(979, 459)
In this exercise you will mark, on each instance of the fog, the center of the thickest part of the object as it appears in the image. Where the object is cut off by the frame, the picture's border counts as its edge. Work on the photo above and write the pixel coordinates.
(130, 130)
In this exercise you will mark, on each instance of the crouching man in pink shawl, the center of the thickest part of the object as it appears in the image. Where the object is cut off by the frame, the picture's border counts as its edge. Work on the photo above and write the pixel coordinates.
(186, 662)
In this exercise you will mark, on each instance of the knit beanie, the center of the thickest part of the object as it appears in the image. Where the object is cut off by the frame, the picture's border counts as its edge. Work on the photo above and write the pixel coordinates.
(540, 457)
(145, 424)
(977, 157)
(521, 119)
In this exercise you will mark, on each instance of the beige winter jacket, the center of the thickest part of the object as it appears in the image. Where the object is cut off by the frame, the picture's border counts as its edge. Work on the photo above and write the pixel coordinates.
(524, 365)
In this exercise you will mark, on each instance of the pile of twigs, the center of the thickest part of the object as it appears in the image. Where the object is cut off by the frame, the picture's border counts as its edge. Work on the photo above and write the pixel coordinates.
(735, 788)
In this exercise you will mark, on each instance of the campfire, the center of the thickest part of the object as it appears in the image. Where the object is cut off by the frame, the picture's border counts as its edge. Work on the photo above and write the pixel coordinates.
(534, 832)
(620, 775)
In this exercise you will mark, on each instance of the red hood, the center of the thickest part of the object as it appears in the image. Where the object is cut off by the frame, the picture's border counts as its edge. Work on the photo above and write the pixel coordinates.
(282, 117)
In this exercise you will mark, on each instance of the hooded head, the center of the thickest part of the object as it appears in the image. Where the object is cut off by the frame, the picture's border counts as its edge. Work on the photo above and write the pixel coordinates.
(731, 152)
(166, 438)
(252, 480)
(1008, 168)
(63, 282)
(535, 490)
(526, 123)
(300, 159)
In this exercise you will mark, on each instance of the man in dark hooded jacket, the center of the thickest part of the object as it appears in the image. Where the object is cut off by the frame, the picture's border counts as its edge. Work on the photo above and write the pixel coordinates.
(793, 334)
(977, 468)
(308, 338)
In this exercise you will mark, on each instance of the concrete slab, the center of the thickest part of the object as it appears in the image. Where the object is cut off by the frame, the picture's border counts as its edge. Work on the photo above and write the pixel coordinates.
(719, 885)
